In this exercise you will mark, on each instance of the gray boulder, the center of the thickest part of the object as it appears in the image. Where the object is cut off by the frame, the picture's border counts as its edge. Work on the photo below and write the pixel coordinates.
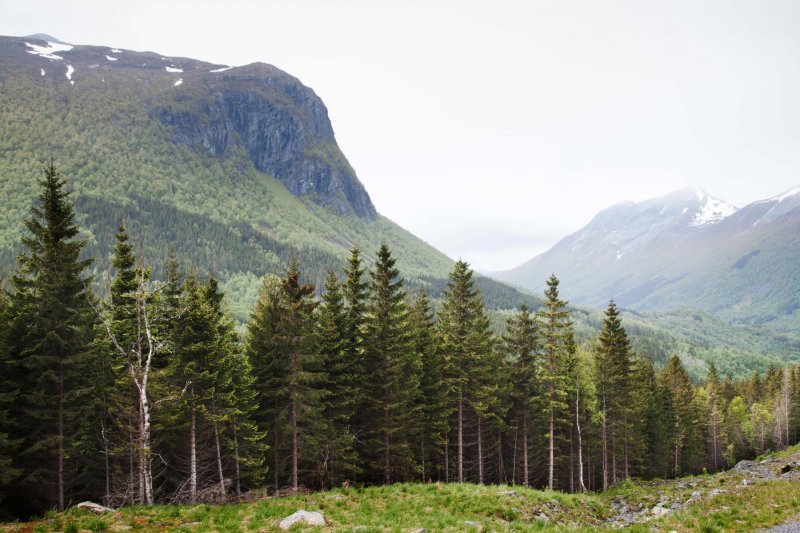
(311, 518)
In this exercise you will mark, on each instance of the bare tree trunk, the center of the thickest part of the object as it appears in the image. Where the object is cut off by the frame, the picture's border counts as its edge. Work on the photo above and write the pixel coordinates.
(140, 454)
(514, 460)
(614, 454)
(571, 460)
(605, 446)
(461, 437)
(525, 473)
(107, 467)
(132, 460)
(581, 485)
(480, 451)
(236, 460)
(219, 459)
(295, 485)
(193, 457)
(387, 466)
(501, 468)
(447, 453)
(61, 439)
(551, 465)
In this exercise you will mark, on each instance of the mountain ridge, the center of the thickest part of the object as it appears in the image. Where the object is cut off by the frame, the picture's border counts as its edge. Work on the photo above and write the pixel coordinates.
(684, 248)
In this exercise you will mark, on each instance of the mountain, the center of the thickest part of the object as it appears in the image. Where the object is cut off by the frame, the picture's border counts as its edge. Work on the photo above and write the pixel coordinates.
(235, 167)
(686, 249)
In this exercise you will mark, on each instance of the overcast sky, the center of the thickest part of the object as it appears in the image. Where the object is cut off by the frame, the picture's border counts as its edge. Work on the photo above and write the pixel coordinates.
(492, 129)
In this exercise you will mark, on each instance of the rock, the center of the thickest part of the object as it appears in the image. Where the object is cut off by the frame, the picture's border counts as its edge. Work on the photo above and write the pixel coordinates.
(312, 518)
(284, 128)
(508, 493)
(675, 506)
(696, 494)
(541, 516)
(95, 508)
(745, 482)
(420, 530)
(470, 523)
(786, 468)
(716, 492)
(359, 528)
(658, 510)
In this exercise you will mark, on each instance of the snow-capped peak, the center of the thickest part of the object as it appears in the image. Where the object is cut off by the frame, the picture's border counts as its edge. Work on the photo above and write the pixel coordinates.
(50, 50)
(711, 211)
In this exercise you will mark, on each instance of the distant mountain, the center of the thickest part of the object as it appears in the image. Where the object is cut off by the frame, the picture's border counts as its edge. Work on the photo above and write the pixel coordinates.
(686, 249)
(235, 167)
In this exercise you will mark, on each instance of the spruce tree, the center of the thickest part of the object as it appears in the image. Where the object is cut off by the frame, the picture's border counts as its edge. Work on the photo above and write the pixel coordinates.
(341, 384)
(393, 381)
(456, 328)
(556, 342)
(50, 339)
(269, 372)
(521, 345)
(8, 393)
(431, 407)
(290, 373)
(614, 391)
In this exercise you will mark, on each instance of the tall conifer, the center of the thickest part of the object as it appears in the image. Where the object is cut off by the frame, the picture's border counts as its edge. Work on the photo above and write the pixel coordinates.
(50, 339)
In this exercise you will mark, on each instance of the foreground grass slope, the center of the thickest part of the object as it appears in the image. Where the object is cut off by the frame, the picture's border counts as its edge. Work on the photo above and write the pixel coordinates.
(752, 496)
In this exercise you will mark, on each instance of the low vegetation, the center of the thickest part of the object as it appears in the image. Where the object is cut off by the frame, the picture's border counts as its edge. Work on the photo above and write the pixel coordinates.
(727, 501)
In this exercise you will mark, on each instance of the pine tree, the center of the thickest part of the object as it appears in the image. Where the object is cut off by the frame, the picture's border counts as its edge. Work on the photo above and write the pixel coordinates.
(715, 420)
(393, 382)
(290, 372)
(8, 392)
(196, 369)
(521, 344)
(687, 446)
(431, 407)
(269, 371)
(50, 338)
(614, 390)
(342, 373)
(456, 328)
(556, 341)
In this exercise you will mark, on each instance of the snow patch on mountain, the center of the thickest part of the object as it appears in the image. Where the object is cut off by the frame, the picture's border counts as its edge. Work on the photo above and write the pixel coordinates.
(173, 69)
(110, 58)
(223, 69)
(712, 211)
(70, 71)
(49, 51)
(179, 82)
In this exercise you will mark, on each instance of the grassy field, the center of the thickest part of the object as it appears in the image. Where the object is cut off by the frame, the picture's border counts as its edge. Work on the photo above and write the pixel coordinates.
(728, 501)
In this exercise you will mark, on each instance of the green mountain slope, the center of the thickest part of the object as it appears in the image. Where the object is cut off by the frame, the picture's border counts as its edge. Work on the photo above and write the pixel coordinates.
(187, 165)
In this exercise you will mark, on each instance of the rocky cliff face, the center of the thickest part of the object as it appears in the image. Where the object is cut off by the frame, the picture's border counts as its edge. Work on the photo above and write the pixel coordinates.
(281, 124)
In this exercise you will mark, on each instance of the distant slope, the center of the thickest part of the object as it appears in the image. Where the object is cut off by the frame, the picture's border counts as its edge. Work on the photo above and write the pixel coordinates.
(686, 249)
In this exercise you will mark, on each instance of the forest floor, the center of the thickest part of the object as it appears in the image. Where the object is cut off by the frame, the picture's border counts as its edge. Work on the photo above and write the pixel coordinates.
(754, 495)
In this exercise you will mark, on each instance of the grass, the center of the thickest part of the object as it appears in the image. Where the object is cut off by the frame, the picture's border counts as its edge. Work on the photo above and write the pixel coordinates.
(725, 503)
(465, 507)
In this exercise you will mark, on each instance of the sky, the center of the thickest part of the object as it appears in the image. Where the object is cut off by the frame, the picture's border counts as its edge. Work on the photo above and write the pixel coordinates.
(492, 129)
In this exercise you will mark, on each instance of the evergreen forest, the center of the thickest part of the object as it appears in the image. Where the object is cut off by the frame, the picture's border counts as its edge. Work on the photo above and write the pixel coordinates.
(140, 388)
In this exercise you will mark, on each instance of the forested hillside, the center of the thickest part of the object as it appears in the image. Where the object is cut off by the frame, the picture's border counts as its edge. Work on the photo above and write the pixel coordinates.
(236, 167)
(147, 393)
